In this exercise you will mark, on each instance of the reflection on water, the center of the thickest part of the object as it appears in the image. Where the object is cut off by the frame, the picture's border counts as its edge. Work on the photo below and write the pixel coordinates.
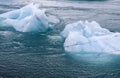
(96, 58)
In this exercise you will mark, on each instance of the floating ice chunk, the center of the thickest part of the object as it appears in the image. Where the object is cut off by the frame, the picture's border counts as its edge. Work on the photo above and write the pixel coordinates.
(90, 37)
(86, 28)
(26, 19)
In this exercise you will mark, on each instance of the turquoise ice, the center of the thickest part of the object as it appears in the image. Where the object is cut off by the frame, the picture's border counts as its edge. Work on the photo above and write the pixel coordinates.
(84, 36)
(28, 18)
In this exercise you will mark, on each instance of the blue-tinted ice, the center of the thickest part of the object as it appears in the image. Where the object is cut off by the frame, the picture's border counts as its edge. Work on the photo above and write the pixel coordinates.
(27, 19)
(84, 36)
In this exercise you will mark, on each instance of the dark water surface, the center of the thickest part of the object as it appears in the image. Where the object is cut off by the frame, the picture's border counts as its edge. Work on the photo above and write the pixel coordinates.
(41, 55)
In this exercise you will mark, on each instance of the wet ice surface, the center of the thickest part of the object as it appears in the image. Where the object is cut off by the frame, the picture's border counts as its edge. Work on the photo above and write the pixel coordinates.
(85, 36)
(27, 19)
(35, 55)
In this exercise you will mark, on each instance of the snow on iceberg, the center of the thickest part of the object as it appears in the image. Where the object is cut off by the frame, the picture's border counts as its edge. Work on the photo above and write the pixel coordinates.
(84, 36)
(28, 18)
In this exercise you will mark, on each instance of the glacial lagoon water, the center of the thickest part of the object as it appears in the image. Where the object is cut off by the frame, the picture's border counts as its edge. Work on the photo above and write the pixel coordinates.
(41, 55)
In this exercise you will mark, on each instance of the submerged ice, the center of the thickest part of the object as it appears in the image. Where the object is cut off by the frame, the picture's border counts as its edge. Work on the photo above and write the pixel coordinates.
(29, 18)
(84, 36)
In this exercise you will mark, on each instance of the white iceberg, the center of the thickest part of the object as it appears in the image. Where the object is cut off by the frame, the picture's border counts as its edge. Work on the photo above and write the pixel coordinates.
(90, 37)
(27, 19)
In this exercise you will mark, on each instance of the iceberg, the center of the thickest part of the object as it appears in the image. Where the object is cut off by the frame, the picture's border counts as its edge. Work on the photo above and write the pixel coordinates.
(26, 19)
(84, 36)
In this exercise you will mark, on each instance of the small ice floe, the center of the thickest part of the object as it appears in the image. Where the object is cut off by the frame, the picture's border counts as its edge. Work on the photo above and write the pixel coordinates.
(84, 36)
(26, 19)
